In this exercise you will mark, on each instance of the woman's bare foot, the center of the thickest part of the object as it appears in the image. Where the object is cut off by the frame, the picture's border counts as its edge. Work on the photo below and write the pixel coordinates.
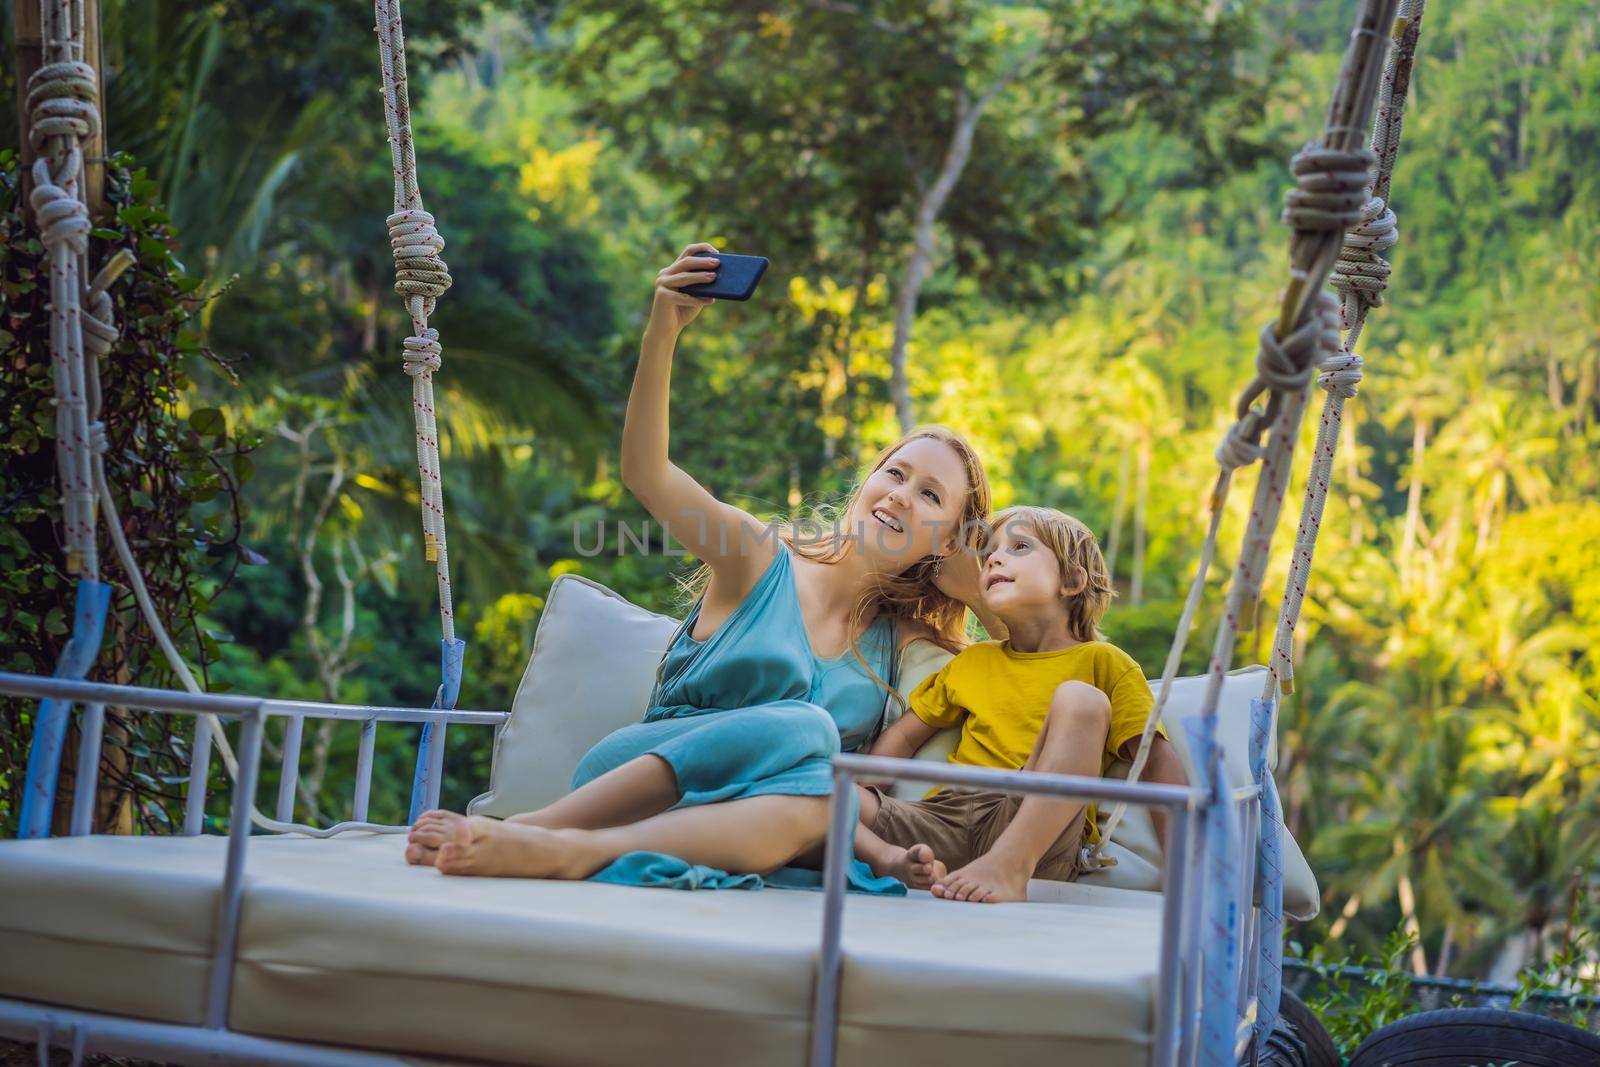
(432, 829)
(915, 866)
(989, 879)
(491, 848)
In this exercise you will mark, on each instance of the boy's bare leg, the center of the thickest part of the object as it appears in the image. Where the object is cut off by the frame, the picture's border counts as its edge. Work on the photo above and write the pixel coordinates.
(1071, 741)
(636, 790)
(752, 836)
(916, 866)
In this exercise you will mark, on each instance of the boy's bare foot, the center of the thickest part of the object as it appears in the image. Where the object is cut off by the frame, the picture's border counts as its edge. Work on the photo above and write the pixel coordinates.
(915, 866)
(491, 848)
(432, 829)
(989, 879)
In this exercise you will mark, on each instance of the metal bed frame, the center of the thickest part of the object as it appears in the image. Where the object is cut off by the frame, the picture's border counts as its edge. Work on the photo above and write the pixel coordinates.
(1175, 1027)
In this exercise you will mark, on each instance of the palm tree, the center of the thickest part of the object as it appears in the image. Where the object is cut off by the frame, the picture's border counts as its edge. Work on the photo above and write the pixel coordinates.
(1424, 394)
(1498, 448)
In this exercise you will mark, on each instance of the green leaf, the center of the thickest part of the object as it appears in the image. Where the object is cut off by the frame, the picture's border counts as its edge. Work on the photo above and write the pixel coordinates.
(208, 421)
(55, 621)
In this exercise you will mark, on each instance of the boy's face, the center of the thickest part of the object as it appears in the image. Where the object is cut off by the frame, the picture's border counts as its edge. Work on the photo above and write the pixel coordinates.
(1020, 575)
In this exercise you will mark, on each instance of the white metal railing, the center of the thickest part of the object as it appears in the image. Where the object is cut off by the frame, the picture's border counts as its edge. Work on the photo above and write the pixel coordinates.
(251, 714)
(1177, 986)
(94, 696)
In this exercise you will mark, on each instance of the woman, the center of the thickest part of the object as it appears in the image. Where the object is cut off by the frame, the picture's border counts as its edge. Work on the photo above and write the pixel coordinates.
(783, 660)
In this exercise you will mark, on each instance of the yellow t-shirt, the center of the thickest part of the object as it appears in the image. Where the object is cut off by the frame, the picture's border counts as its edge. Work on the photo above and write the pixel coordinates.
(1000, 697)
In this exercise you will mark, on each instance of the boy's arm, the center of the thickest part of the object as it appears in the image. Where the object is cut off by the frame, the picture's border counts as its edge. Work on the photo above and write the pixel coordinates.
(905, 737)
(1163, 768)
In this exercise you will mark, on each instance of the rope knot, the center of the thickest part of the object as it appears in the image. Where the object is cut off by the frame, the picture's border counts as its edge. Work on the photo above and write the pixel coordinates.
(423, 353)
(419, 270)
(63, 219)
(1283, 365)
(1361, 275)
(1331, 187)
(1241, 445)
(61, 103)
(98, 441)
(99, 325)
(1340, 374)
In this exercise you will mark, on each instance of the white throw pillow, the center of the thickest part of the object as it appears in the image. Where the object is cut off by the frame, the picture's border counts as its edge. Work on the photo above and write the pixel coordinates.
(591, 672)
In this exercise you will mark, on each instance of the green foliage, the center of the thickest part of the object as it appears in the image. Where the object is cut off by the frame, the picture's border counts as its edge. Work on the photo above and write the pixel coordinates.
(1350, 1011)
(176, 478)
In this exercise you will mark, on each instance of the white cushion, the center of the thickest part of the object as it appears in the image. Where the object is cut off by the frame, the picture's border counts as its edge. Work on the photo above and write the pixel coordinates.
(75, 930)
(342, 942)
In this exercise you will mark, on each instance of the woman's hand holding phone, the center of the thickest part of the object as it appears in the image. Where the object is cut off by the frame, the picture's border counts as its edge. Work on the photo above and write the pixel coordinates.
(675, 309)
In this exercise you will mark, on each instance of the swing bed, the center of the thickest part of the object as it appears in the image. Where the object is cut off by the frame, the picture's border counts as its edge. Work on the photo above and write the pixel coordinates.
(282, 943)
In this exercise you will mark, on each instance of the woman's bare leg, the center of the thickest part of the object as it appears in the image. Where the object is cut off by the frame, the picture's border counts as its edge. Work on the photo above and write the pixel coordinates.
(757, 835)
(636, 790)
(640, 788)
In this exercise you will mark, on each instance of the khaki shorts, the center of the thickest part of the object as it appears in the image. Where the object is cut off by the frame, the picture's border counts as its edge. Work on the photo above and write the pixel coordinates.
(961, 826)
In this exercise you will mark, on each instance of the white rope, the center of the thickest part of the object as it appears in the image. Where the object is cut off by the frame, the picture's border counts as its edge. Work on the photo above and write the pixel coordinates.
(1333, 183)
(1362, 277)
(421, 277)
(62, 110)
(62, 113)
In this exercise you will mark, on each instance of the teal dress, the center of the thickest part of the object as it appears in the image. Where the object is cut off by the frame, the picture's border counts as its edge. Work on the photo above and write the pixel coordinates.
(752, 711)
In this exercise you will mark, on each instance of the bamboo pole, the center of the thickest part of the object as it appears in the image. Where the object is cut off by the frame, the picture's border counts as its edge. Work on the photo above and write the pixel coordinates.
(26, 21)
(94, 152)
(28, 57)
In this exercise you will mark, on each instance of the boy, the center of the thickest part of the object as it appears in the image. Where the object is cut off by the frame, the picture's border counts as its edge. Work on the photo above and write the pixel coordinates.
(1052, 696)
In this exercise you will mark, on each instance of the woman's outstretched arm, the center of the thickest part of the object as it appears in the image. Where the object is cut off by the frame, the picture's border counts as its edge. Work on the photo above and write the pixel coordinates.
(727, 538)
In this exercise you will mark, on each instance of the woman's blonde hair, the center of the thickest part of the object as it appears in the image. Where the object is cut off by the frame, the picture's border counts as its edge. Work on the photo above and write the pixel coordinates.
(1078, 556)
(911, 594)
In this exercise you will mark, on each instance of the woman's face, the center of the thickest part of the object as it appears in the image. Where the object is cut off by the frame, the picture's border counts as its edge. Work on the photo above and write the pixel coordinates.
(911, 507)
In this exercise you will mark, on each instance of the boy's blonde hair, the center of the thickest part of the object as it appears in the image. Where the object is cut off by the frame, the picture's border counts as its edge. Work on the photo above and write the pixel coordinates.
(1078, 555)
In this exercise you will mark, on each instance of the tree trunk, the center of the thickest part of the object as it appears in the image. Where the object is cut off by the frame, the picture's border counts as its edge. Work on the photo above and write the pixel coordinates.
(28, 58)
(1408, 916)
(1348, 912)
(94, 149)
(916, 272)
(1419, 442)
(1446, 946)
(1140, 500)
(1114, 541)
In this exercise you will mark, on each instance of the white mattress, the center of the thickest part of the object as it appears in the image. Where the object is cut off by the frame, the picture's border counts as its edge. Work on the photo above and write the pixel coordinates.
(342, 942)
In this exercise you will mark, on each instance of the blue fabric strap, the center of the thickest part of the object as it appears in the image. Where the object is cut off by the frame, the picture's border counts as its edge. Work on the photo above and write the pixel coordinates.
(425, 779)
(50, 727)
(1221, 922)
(1269, 877)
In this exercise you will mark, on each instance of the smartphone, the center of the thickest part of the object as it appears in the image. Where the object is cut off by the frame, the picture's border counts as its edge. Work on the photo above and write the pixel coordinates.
(737, 277)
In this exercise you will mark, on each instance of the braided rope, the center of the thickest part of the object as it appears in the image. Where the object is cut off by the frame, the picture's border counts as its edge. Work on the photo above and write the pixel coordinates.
(421, 277)
(1333, 185)
(62, 113)
(208, 731)
(1362, 277)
